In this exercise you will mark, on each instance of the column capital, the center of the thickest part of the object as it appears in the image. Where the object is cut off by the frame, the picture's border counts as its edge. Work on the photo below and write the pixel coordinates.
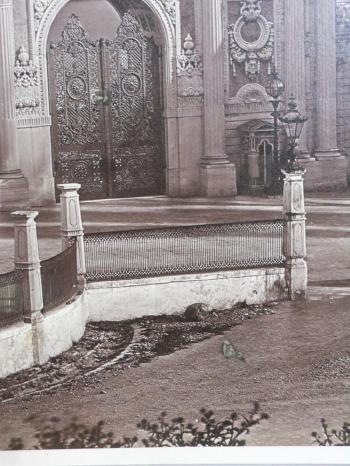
(24, 215)
(69, 187)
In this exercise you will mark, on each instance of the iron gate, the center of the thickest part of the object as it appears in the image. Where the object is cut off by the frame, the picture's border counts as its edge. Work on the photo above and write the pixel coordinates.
(106, 111)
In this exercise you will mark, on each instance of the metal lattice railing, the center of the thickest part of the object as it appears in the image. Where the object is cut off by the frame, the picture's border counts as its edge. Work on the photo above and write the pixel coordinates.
(59, 277)
(188, 249)
(11, 298)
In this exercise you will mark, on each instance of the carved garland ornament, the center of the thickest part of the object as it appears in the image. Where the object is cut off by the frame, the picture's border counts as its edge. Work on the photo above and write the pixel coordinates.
(26, 84)
(190, 70)
(257, 51)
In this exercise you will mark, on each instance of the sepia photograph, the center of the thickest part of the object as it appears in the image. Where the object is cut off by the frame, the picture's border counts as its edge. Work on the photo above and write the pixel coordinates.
(174, 229)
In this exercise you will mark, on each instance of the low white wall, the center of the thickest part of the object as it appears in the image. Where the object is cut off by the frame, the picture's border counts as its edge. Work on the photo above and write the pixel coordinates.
(16, 348)
(63, 326)
(59, 329)
(129, 299)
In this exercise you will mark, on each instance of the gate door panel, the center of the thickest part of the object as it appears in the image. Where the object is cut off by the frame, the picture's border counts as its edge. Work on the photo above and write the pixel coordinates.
(106, 117)
(137, 152)
(78, 131)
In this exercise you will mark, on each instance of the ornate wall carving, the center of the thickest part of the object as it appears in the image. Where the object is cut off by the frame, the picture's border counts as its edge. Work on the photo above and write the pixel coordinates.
(26, 85)
(45, 12)
(250, 52)
(189, 70)
(250, 98)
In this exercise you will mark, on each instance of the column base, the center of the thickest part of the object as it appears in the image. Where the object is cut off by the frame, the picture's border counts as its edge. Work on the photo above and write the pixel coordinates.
(296, 278)
(14, 193)
(218, 180)
(327, 154)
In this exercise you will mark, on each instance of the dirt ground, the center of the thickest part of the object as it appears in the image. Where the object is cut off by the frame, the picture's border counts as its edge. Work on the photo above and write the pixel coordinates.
(297, 360)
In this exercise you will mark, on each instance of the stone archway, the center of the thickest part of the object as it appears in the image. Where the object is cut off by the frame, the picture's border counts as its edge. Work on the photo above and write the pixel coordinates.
(165, 21)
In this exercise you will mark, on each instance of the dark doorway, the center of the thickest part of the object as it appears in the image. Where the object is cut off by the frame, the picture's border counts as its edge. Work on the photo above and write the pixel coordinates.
(106, 111)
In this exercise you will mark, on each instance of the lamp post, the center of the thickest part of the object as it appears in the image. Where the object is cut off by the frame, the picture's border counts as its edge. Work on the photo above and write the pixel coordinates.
(275, 88)
(293, 123)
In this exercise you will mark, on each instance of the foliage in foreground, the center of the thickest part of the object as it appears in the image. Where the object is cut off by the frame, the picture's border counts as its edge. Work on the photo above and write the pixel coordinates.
(206, 431)
(333, 437)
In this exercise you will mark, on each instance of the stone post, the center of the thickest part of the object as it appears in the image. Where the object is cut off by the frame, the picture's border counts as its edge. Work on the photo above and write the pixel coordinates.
(294, 242)
(295, 64)
(71, 224)
(28, 262)
(14, 190)
(218, 174)
(326, 80)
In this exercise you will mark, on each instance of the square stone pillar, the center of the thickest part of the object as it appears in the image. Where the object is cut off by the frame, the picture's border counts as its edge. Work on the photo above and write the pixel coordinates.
(71, 224)
(28, 262)
(294, 242)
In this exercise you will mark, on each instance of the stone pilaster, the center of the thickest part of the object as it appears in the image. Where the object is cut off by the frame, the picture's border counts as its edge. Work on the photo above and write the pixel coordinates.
(71, 224)
(14, 191)
(218, 174)
(295, 65)
(326, 80)
(294, 243)
(28, 262)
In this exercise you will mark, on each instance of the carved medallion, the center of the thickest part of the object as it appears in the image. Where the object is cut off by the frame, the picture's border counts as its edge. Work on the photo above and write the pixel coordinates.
(254, 51)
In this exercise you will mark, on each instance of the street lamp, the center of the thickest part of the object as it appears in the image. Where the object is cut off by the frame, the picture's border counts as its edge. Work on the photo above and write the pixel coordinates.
(275, 88)
(293, 123)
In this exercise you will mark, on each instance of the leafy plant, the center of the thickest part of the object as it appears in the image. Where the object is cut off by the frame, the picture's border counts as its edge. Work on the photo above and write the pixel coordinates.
(333, 437)
(207, 431)
(75, 435)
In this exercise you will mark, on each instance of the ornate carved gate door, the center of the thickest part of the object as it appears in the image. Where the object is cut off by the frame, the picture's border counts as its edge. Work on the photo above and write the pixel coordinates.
(106, 117)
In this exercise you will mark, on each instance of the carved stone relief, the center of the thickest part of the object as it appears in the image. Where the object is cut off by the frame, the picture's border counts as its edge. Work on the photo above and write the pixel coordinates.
(251, 97)
(190, 70)
(251, 52)
(26, 84)
(170, 7)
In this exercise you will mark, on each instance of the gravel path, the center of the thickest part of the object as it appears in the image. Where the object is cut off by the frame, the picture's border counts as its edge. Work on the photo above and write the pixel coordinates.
(297, 359)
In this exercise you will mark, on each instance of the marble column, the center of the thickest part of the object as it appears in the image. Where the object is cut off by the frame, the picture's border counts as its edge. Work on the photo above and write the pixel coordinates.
(295, 65)
(13, 186)
(326, 125)
(218, 174)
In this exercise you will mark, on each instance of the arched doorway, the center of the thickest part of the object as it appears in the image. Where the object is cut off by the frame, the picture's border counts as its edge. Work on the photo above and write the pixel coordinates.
(106, 100)
(256, 138)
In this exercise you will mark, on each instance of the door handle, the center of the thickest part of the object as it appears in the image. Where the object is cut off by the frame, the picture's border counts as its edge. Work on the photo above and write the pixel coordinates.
(100, 96)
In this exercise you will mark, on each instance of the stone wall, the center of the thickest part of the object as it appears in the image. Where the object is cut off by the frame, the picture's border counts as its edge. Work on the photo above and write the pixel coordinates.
(131, 299)
(343, 77)
(59, 329)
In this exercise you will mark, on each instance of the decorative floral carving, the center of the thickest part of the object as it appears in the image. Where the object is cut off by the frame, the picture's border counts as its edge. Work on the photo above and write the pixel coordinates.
(26, 84)
(170, 8)
(40, 7)
(189, 62)
(190, 70)
(254, 52)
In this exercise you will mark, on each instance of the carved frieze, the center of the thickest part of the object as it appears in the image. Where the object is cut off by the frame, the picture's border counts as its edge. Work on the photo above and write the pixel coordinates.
(190, 70)
(27, 97)
(251, 52)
